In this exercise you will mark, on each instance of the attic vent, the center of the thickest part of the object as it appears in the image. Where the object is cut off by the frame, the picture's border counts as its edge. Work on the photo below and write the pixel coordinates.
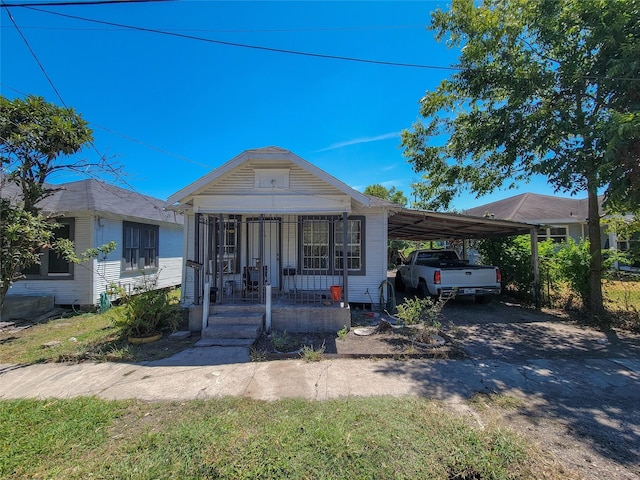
(272, 178)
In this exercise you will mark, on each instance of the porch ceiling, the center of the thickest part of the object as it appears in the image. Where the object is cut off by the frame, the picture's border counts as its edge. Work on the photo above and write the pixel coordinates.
(409, 224)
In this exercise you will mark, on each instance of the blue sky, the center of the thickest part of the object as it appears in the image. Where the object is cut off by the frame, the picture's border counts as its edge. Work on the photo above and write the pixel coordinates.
(170, 109)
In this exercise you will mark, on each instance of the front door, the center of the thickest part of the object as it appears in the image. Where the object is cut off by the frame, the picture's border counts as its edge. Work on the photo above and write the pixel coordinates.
(271, 247)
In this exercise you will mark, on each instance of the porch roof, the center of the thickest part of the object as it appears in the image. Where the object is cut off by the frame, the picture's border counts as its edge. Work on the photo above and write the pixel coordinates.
(408, 224)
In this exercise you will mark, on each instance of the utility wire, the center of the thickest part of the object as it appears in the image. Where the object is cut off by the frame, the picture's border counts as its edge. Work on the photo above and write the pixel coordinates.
(76, 3)
(244, 45)
(106, 166)
(33, 54)
(127, 137)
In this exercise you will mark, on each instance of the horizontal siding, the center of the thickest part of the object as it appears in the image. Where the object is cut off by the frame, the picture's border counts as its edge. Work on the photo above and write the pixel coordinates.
(76, 291)
(362, 289)
(109, 270)
(242, 180)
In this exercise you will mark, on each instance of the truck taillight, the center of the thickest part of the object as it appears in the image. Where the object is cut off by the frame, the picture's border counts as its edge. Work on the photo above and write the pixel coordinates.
(437, 277)
(498, 276)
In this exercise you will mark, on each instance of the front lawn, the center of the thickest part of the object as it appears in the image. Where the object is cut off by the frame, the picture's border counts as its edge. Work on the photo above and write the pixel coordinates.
(378, 437)
(90, 336)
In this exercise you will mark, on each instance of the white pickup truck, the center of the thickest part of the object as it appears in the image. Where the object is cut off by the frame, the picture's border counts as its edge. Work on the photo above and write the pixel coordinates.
(441, 273)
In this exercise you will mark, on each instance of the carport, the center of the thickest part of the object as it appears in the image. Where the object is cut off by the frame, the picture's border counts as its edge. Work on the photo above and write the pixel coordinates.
(422, 225)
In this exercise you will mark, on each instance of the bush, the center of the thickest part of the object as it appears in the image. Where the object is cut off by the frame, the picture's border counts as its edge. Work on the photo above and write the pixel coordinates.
(148, 313)
(421, 310)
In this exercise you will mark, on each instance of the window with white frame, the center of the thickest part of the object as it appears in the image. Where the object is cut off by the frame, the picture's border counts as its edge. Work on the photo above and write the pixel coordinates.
(322, 246)
(353, 247)
(140, 246)
(315, 244)
(557, 234)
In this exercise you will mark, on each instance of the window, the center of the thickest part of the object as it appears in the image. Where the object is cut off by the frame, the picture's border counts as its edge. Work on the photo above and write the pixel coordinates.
(140, 246)
(322, 245)
(230, 249)
(52, 264)
(353, 248)
(556, 234)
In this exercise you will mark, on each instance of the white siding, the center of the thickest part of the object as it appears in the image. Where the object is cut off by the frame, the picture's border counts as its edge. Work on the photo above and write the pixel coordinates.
(110, 269)
(365, 288)
(76, 291)
(242, 180)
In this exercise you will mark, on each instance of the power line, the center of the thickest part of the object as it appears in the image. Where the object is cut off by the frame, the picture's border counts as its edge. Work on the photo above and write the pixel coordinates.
(33, 54)
(105, 166)
(76, 3)
(244, 45)
(131, 139)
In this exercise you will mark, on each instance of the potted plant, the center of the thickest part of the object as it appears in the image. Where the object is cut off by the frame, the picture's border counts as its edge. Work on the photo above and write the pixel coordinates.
(146, 314)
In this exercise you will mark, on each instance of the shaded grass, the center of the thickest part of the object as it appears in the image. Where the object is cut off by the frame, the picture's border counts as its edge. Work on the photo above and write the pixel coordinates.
(90, 336)
(378, 437)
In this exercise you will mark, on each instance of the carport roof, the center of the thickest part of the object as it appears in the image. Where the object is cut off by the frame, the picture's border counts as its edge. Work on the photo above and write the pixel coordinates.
(407, 224)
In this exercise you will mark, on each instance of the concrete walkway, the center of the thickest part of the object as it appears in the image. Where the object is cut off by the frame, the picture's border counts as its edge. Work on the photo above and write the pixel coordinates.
(220, 371)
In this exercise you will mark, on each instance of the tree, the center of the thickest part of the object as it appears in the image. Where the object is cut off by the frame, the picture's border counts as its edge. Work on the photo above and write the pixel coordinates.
(36, 138)
(391, 194)
(538, 92)
(395, 247)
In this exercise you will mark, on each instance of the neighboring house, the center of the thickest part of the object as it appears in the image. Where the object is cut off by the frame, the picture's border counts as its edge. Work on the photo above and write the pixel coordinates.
(269, 218)
(93, 213)
(561, 218)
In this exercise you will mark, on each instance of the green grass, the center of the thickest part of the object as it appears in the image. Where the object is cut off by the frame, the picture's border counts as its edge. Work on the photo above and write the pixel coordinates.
(622, 294)
(379, 437)
(90, 336)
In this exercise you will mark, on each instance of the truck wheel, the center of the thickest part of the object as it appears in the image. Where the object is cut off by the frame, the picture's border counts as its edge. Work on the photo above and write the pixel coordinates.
(399, 284)
(423, 291)
(483, 299)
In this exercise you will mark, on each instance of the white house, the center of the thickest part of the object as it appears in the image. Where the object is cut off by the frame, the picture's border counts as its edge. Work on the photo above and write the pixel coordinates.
(269, 221)
(93, 213)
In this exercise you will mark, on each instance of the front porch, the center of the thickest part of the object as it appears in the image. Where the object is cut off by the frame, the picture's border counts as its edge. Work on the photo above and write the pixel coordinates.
(289, 267)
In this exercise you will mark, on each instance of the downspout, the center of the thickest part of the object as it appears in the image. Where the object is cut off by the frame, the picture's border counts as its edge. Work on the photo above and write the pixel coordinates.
(345, 270)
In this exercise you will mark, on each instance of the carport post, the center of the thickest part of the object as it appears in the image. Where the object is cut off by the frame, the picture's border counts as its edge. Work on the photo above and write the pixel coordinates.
(535, 266)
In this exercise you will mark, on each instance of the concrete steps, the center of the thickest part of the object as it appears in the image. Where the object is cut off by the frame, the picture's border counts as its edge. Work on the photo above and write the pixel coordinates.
(232, 328)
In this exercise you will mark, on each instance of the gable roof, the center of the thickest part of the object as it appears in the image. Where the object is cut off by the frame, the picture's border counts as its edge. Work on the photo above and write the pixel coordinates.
(95, 196)
(265, 154)
(533, 207)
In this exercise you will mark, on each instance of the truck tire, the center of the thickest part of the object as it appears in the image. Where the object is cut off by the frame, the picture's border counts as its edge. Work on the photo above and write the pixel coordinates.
(483, 299)
(423, 290)
(399, 283)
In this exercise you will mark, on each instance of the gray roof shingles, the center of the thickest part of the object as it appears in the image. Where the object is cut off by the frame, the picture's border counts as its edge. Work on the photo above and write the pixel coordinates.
(96, 196)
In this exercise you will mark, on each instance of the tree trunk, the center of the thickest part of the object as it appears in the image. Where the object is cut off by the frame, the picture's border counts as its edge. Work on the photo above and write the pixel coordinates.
(596, 305)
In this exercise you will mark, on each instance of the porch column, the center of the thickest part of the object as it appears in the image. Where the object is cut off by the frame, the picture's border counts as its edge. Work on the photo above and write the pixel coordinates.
(535, 266)
(345, 270)
(260, 260)
(197, 259)
(219, 249)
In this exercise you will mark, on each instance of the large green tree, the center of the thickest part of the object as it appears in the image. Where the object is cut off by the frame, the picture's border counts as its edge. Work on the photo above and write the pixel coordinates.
(37, 139)
(540, 90)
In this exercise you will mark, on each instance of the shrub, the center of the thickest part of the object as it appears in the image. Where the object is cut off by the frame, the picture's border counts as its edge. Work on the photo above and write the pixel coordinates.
(148, 313)
(421, 310)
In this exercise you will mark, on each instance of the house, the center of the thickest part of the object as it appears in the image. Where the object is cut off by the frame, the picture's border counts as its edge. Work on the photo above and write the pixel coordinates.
(267, 228)
(93, 213)
(560, 218)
